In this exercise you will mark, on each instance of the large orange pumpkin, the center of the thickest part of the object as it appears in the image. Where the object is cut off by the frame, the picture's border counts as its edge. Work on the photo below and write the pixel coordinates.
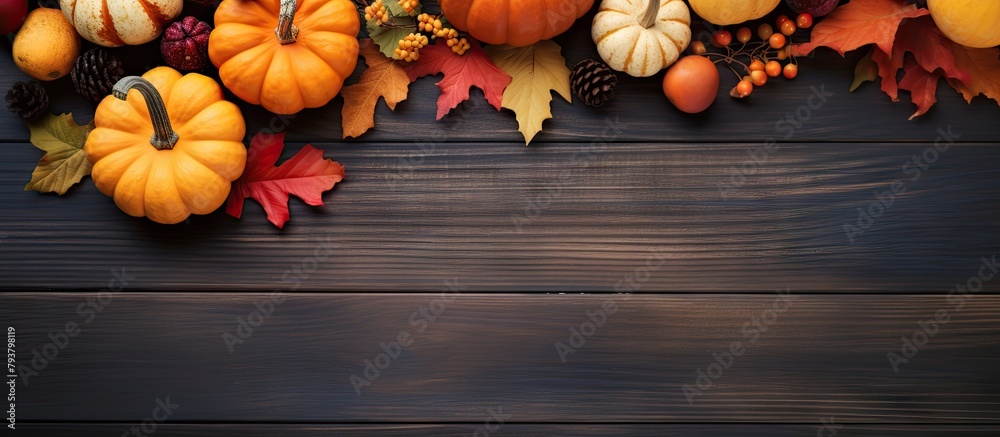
(515, 22)
(167, 146)
(286, 55)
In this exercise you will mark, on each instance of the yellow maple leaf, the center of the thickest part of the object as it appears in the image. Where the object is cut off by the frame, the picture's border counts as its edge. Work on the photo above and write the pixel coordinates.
(383, 78)
(65, 162)
(536, 71)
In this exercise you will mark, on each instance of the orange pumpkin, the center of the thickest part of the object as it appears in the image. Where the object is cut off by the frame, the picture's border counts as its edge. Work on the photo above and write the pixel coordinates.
(286, 55)
(167, 146)
(515, 22)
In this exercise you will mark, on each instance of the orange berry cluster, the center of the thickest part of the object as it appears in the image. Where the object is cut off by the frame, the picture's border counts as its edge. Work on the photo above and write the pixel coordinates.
(433, 26)
(459, 46)
(764, 56)
(409, 5)
(378, 11)
(409, 47)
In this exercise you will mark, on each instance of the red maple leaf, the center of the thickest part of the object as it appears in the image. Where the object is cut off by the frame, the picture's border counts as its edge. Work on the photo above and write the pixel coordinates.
(473, 68)
(859, 23)
(930, 48)
(306, 175)
(921, 84)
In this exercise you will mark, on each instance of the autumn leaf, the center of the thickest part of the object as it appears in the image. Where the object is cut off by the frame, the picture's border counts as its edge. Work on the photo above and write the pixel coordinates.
(859, 23)
(983, 66)
(536, 71)
(930, 49)
(384, 78)
(929, 46)
(473, 68)
(865, 71)
(306, 175)
(387, 37)
(921, 84)
(64, 163)
(887, 70)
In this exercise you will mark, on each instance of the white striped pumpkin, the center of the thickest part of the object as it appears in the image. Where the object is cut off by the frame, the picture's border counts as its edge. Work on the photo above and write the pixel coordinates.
(113, 23)
(641, 37)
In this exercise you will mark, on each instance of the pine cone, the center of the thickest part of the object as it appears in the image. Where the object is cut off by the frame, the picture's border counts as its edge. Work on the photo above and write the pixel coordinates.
(593, 82)
(96, 73)
(28, 100)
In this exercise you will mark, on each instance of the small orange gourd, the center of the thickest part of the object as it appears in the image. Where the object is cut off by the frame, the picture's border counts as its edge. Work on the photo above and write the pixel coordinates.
(167, 146)
(514, 22)
(285, 55)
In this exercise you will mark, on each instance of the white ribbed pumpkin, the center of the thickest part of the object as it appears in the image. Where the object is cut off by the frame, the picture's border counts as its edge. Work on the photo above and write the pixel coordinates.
(112, 23)
(641, 37)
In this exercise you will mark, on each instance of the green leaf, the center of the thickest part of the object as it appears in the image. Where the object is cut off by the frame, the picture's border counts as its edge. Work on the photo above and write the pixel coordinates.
(387, 37)
(867, 70)
(64, 163)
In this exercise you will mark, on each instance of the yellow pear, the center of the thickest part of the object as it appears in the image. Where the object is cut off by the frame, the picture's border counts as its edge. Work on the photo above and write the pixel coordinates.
(47, 45)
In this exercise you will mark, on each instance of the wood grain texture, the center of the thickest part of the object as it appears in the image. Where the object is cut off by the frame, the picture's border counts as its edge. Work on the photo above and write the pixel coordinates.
(558, 217)
(824, 356)
(865, 115)
(511, 430)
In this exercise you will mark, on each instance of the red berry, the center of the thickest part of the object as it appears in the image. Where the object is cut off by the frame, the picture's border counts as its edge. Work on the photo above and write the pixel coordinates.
(721, 38)
(757, 65)
(758, 77)
(777, 41)
(804, 20)
(790, 71)
(743, 35)
(787, 27)
(764, 31)
(698, 48)
(744, 88)
(773, 68)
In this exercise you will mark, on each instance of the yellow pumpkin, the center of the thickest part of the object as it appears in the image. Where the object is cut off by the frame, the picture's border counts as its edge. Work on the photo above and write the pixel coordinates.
(641, 37)
(285, 56)
(971, 23)
(167, 146)
(726, 12)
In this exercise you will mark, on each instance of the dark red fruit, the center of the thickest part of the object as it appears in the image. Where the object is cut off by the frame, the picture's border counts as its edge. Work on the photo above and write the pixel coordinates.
(816, 8)
(12, 14)
(185, 44)
(206, 3)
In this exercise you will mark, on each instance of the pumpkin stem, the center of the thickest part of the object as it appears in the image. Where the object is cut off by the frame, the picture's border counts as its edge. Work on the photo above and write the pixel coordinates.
(164, 136)
(287, 32)
(652, 10)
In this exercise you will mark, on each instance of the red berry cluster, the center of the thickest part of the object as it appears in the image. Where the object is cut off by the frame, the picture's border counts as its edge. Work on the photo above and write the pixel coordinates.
(763, 57)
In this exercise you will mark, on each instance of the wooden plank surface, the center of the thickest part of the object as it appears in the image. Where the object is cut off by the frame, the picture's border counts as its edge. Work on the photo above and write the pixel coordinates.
(559, 217)
(820, 356)
(508, 429)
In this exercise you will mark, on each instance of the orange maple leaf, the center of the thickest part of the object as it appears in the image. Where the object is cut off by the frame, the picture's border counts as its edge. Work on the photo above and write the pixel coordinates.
(983, 67)
(859, 23)
(384, 77)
